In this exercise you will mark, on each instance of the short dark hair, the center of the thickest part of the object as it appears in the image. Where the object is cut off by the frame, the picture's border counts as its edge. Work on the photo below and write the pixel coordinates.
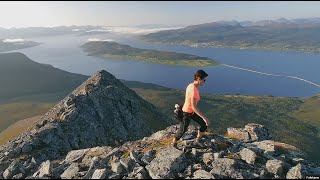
(201, 74)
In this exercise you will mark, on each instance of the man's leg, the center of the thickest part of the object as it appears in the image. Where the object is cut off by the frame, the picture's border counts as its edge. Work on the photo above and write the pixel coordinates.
(182, 128)
(201, 122)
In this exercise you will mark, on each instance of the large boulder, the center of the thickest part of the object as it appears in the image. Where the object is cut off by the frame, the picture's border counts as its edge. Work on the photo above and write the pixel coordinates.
(257, 132)
(238, 133)
(167, 163)
(225, 168)
(248, 155)
(250, 133)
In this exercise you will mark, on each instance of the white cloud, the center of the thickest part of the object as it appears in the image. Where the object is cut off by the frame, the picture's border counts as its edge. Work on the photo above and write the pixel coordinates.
(97, 30)
(97, 39)
(133, 30)
(13, 40)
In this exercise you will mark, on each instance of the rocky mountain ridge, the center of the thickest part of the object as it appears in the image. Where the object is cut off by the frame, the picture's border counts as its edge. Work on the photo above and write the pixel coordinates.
(153, 157)
(104, 130)
(101, 111)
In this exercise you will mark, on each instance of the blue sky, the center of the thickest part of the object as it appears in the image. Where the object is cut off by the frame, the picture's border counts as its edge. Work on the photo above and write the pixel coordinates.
(129, 13)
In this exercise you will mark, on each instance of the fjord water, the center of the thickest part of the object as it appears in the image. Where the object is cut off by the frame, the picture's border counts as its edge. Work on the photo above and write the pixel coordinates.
(64, 52)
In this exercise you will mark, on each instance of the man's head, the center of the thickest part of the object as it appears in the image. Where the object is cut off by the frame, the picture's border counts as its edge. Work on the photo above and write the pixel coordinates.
(200, 76)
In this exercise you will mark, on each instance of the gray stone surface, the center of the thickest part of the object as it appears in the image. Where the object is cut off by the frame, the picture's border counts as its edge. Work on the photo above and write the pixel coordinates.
(266, 145)
(117, 167)
(248, 155)
(225, 168)
(275, 166)
(208, 158)
(296, 172)
(202, 174)
(75, 155)
(12, 170)
(99, 174)
(91, 170)
(166, 163)
(257, 132)
(44, 170)
(238, 133)
(70, 172)
(153, 158)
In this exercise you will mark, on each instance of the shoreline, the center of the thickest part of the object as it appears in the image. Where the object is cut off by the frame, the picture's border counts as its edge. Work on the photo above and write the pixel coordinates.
(32, 44)
(190, 63)
(254, 48)
(207, 45)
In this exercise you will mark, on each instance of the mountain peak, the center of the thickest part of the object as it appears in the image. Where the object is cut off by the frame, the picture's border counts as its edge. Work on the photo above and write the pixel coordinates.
(100, 79)
(101, 111)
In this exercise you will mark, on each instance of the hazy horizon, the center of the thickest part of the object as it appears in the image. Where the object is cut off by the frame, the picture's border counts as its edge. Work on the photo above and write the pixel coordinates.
(20, 14)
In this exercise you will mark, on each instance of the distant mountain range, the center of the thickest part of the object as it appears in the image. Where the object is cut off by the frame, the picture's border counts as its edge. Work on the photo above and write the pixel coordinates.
(46, 31)
(300, 21)
(282, 34)
(158, 26)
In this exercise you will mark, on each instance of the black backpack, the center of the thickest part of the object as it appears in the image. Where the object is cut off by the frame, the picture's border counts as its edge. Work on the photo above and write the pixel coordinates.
(178, 114)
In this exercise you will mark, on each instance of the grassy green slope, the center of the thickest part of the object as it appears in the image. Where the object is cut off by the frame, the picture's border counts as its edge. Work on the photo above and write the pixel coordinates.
(17, 128)
(29, 88)
(281, 115)
(309, 112)
(20, 76)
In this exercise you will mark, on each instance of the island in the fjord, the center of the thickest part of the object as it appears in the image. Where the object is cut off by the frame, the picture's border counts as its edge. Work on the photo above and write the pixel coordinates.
(7, 45)
(110, 49)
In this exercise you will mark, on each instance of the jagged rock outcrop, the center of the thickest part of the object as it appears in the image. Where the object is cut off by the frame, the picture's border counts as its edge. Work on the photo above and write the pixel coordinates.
(101, 111)
(251, 132)
(153, 157)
